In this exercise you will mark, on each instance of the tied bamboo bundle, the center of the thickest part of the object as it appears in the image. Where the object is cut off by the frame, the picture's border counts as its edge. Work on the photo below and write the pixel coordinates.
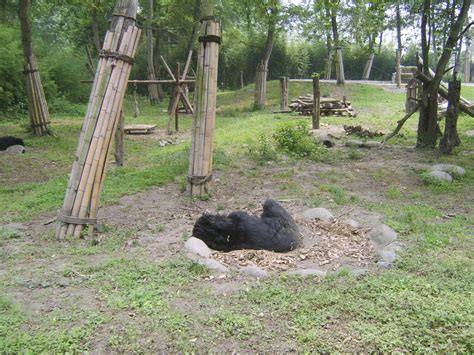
(37, 106)
(101, 120)
(200, 162)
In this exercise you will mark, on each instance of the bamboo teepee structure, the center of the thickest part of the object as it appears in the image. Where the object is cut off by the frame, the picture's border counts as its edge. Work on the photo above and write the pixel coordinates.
(100, 123)
(202, 134)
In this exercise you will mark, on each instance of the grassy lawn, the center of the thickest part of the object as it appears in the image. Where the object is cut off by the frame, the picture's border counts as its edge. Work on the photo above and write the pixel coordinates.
(130, 293)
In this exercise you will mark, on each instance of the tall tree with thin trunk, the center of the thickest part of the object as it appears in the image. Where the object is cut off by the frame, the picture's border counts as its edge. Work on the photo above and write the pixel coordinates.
(399, 46)
(37, 106)
(153, 93)
(428, 119)
(329, 49)
(95, 26)
(334, 5)
(272, 11)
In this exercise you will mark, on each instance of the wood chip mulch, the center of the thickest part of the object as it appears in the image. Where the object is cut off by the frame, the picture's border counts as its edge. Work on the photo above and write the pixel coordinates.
(336, 243)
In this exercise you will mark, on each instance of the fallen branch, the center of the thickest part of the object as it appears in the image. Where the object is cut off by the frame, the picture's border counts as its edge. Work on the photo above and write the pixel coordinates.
(400, 124)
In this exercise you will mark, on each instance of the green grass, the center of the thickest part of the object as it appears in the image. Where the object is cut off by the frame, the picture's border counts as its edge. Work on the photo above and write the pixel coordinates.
(119, 296)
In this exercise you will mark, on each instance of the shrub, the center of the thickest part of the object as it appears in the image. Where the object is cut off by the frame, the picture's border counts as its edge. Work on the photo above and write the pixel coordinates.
(295, 139)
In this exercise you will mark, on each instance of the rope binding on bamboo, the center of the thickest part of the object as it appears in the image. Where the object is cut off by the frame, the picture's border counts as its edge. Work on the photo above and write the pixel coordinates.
(28, 71)
(75, 220)
(199, 180)
(210, 38)
(206, 18)
(116, 55)
(124, 16)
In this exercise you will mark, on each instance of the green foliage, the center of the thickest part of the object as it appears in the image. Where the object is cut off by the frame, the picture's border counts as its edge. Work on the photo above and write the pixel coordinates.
(265, 148)
(12, 98)
(295, 139)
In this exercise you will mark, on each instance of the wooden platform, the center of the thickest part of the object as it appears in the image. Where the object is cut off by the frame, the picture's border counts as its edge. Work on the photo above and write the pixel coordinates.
(139, 128)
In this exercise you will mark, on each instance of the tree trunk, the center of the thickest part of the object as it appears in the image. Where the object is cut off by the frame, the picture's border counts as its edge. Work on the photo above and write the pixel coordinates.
(327, 74)
(399, 48)
(262, 70)
(370, 60)
(339, 61)
(95, 27)
(428, 120)
(467, 62)
(37, 106)
(451, 138)
(202, 133)
(152, 88)
(156, 55)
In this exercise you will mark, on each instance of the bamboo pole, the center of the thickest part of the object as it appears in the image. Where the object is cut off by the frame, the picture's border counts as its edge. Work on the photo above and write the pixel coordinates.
(200, 162)
(101, 120)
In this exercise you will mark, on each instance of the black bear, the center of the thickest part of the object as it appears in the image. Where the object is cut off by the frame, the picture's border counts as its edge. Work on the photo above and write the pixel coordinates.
(8, 141)
(274, 230)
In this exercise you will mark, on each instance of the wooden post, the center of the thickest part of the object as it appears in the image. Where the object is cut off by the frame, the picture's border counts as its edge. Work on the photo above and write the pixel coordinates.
(100, 123)
(284, 93)
(316, 102)
(119, 140)
(241, 79)
(202, 133)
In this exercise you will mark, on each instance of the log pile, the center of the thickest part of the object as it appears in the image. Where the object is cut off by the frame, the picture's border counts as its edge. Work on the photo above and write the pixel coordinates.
(100, 123)
(328, 106)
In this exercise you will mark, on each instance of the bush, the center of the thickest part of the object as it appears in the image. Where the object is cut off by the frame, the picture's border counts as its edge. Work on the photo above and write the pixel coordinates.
(265, 148)
(295, 139)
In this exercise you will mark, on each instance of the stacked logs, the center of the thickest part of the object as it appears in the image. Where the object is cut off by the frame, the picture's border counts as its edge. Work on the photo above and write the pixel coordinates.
(328, 106)
(100, 123)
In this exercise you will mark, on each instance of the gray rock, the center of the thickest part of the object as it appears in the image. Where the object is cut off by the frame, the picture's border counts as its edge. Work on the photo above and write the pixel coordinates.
(213, 264)
(307, 272)
(197, 246)
(441, 176)
(16, 149)
(358, 271)
(318, 213)
(382, 235)
(352, 223)
(453, 170)
(354, 143)
(387, 256)
(253, 270)
(372, 144)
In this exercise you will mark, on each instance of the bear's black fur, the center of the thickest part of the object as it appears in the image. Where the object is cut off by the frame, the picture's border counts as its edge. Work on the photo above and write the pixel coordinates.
(275, 230)
(8, 141)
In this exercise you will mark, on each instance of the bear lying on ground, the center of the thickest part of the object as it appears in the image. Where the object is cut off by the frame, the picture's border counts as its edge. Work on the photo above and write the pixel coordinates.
(274, 230)
(8, 141)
